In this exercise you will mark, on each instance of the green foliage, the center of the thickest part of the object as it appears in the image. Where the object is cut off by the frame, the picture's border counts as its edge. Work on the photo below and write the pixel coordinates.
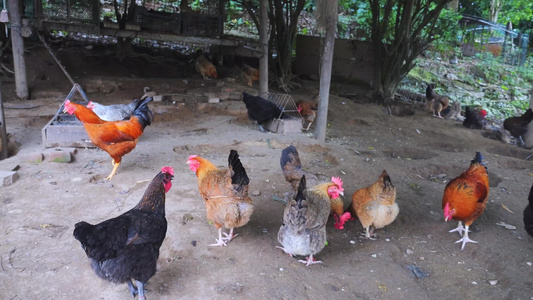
(446, 36)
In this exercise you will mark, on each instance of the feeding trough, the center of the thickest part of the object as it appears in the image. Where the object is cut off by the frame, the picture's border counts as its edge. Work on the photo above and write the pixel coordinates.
(66, 130)
(292, 123)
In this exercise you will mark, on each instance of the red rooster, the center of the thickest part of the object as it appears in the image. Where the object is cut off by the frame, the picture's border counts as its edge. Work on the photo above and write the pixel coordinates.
(465, 197)
(117, 138)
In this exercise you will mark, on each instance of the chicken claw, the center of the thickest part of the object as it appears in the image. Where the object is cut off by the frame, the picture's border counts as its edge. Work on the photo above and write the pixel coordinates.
(310, 261)
(465, 239)
(459, 229)
(230, 236)
(220, 240)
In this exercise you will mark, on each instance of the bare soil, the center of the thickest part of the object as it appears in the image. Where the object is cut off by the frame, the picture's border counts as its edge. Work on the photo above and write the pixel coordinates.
(40, 259)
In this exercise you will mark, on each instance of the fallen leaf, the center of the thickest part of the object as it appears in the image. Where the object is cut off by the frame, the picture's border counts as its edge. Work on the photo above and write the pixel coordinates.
(507, 208)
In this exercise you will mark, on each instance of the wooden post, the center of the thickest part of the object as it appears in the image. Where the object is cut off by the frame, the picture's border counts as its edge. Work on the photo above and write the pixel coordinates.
(325, 75)
(263, 37)
(3, 132)
(18, 50)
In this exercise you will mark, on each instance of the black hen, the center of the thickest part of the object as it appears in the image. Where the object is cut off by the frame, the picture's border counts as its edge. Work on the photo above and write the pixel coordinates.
(261, 110)
(528, 214)
(474, 119)
(126, 248)
(517, 126)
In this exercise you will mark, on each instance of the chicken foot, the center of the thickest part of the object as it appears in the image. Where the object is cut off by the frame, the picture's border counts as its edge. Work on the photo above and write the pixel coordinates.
(139, 289)
(310, 261)
(369, 234)
(221, 241)
(459, 229)
(465, 239)
(114, 171)
(230, 236)
(279, 247)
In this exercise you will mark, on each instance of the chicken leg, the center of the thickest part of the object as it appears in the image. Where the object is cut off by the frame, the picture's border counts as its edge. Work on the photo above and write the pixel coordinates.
(369, 234)
(139, 289)
(220, 240)
(310, 261)
(465, 239)
(115, 167)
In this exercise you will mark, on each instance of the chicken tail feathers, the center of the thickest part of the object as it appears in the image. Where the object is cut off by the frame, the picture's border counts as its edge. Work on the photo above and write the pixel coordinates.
(478, 159)
(143, 113)
(300, 196)
(290, 156)
(387, 183)
(239, 177)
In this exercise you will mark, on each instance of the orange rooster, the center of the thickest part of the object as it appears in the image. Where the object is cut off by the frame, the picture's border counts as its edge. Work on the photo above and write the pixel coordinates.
(465, 197)
(293, 172)
(204, 66)
(225, 192)
(307, 110)
(376, 204)
(117, 138)
(249, 74)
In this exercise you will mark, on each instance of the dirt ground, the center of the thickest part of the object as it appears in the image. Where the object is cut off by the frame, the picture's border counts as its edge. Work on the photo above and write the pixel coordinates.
(414, 258)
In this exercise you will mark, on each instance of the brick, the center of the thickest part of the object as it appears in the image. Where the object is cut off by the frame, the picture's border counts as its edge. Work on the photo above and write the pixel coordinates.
(8, 177)
(58, 155)
(35, 158)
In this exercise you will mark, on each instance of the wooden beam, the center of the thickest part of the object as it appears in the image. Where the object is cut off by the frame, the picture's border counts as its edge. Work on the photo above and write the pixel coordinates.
(48, 26)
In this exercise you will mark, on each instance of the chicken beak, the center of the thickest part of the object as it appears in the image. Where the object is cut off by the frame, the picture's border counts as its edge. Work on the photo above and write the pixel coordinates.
(341, 193)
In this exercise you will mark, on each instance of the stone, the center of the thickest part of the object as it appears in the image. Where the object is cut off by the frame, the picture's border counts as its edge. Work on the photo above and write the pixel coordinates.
(8, 177)
(58, 155)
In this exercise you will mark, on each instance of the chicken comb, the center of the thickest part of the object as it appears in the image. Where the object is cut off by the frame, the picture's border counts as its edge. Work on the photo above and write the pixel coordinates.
(168, 170)
(192, 156)
(299, 108)
(338, 182)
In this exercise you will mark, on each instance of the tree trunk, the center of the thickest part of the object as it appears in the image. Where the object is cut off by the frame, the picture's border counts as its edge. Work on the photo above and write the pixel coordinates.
(401, 30)
(17, 43)
(283, 15)
(330, 22)
(263, 61)
(528, 137)
(494, 10)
